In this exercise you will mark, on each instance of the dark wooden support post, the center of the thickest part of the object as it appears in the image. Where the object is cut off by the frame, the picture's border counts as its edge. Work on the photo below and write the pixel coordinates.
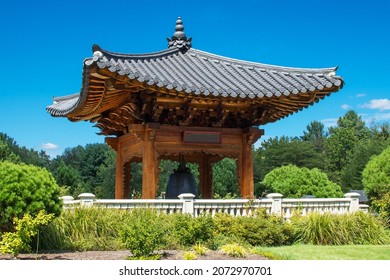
(127, 178)
(119, 176)
(119, 179)
(149, 166)
(246, 167)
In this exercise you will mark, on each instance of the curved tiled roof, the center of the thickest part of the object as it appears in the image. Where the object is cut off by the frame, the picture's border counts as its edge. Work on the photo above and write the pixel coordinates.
(200, 73)
(110, 81)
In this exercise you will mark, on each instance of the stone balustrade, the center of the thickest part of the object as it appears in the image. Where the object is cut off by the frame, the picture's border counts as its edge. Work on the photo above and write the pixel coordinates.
(274, 203)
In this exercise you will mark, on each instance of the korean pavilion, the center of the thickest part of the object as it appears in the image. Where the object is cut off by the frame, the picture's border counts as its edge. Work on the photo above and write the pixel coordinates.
(184, 101)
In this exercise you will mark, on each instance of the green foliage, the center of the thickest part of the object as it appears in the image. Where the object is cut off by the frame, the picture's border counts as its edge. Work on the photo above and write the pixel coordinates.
(189, 230)
(292, 181)
(70, 179)
(7, 154)
(106, 177)
(342, 141)
(276, 152)
(320, 252)
(376, 181)
(79, 168)
(376, 175)
(225, 178)
(26, 189)
(330, 229)
(18, 154)
(259, 229)
(145, 232)
(234, 250)
(315, 134)
(200, 249)
(189, 256)
(220, 239)
(352, 177)
(25, 228)
(83, 229)
(383, 206)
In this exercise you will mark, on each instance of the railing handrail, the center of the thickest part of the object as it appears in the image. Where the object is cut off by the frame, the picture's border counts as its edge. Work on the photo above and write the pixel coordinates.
(274, 204)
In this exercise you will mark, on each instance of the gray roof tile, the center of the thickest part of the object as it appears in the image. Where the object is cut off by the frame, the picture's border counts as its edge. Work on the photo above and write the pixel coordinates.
(196, 72)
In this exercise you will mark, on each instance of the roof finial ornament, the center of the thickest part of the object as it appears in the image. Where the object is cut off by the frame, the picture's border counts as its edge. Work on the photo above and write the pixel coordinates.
(179, 38)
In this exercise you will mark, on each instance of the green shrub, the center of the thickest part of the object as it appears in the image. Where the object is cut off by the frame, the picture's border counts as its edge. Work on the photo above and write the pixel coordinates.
(330, 229)
(234, 250)
(26, 189)
(293, 181)
(220, 239)
(145, 232)
(189, 230)
(25, 228)
(189, 256)
(257, 230)
(383, 206)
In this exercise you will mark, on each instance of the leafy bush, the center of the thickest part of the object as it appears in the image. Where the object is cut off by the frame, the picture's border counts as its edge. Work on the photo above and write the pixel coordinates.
(293, 181)
(257, 230)
(234, 250)
(383, 206)
(189, 230)
(145, 232)
(376, 181)
(26, 189)
(330, 229)
(220, 240)
(25, 228)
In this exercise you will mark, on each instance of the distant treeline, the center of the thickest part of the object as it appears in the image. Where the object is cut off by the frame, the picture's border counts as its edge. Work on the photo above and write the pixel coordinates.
(341, 152)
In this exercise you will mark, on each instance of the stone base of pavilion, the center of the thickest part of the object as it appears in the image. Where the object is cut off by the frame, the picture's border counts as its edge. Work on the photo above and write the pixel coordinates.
(274, 203)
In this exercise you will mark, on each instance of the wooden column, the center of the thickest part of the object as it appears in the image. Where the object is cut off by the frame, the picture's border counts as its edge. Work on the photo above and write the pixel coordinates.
(127, 178)
(119, 186)
(246, 167)
(149, 166)
(205, 177)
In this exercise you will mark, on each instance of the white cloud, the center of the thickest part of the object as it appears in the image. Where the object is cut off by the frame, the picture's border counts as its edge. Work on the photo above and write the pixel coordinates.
(378, 117)
(381, 104)
(49, 146)
(329, 122)
(345, 106)
(359, 95)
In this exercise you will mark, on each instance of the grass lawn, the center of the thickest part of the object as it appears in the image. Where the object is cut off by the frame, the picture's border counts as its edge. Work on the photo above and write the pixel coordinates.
(317, 252)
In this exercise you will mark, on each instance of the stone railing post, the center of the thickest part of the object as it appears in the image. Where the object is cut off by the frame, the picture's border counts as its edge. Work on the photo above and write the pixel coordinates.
(188, 203)
(86, 199)
(66, 198)
(276, 207)
(354, 203)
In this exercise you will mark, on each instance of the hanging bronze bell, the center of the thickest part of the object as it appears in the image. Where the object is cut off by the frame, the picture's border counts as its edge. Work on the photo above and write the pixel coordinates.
(181, 181)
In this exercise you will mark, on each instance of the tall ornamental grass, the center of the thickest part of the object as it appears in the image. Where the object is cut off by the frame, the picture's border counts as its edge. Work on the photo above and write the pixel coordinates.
(85, 229)
(95, 228)
(347, 229)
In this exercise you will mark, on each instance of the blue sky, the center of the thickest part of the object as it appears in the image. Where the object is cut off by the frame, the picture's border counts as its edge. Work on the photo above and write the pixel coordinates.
(43, 45)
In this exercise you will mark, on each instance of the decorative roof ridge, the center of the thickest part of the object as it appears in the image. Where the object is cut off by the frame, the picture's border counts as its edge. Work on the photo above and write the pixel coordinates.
(263, 65)
(179, 39)
(98, 51)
